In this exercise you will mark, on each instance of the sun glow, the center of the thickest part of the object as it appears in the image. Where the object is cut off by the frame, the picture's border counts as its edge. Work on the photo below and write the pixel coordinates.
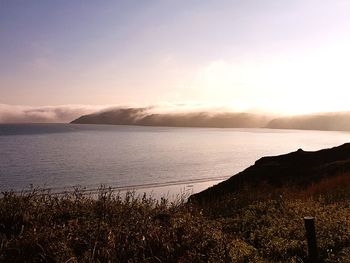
(305, 83)
(277, 57)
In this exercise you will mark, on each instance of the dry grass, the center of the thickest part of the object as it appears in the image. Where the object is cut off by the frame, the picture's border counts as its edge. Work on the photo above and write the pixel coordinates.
(331, 188)
(253, 226)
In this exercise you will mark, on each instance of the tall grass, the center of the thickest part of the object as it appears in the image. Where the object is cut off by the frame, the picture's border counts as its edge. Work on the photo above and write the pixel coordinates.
(337, 187)
(41, 227)
(246, 227)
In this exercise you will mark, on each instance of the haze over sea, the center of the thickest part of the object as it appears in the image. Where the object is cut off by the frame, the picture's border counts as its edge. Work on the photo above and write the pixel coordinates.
(58, 156)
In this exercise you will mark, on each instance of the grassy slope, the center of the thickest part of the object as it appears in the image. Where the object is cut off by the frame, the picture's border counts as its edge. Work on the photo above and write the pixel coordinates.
(256, 225)
(298, 169)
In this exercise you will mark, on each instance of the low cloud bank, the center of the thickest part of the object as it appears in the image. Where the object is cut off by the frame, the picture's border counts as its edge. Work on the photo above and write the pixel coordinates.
(150, 117)
(44, 114)
(67, 113)
(171, 115)
(335, 121)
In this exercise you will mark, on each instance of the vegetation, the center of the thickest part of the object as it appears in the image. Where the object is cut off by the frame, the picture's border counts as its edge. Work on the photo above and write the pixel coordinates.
(256, 225)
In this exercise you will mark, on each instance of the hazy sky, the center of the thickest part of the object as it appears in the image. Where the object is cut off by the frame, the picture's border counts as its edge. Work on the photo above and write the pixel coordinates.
(280, 56)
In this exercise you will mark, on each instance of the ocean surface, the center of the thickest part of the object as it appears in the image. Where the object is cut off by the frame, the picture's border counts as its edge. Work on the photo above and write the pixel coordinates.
(61, 156)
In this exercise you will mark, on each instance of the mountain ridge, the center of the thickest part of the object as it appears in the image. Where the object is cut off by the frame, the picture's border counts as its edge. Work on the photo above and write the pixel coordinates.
(333, 121)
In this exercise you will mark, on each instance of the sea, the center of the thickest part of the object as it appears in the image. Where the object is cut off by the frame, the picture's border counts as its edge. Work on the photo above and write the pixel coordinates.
(155, 160)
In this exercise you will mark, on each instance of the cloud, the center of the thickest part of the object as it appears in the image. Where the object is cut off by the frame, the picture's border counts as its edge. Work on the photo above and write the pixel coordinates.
(190, 116)
(187, 114)
(44, 114)
(148, 117)
(333, 121)
(132, 112)
(67, 113)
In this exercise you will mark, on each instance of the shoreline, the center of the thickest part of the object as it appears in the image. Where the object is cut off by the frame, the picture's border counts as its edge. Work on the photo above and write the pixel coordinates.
(170, 190)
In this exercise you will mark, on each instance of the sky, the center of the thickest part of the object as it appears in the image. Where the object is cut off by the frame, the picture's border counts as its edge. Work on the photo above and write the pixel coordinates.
(289, 57)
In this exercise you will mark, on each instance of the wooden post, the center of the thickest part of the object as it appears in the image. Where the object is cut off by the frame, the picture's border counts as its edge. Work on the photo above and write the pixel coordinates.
(309, 222)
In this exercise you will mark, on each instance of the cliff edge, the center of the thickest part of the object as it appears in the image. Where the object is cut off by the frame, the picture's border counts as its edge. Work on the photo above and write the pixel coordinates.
(299, 168)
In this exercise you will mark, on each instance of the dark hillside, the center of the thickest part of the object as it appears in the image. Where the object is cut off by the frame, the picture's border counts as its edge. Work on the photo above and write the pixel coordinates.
(299, 169)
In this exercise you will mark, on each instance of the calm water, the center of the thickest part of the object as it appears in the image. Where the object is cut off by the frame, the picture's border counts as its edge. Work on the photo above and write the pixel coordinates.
(64, 155)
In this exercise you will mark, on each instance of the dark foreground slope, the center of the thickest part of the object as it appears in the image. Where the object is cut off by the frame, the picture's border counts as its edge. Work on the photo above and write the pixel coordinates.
(298, 169)
(254, 225)
(43, 227)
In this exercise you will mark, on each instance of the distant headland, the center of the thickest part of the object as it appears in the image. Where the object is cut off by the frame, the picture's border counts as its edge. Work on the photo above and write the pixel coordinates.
(333, 121)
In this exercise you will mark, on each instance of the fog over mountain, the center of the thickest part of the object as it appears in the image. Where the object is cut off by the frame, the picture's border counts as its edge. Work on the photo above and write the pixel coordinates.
(44, 114)
(335, 121)
(220, 119)
(142, 116)
(172, 116)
